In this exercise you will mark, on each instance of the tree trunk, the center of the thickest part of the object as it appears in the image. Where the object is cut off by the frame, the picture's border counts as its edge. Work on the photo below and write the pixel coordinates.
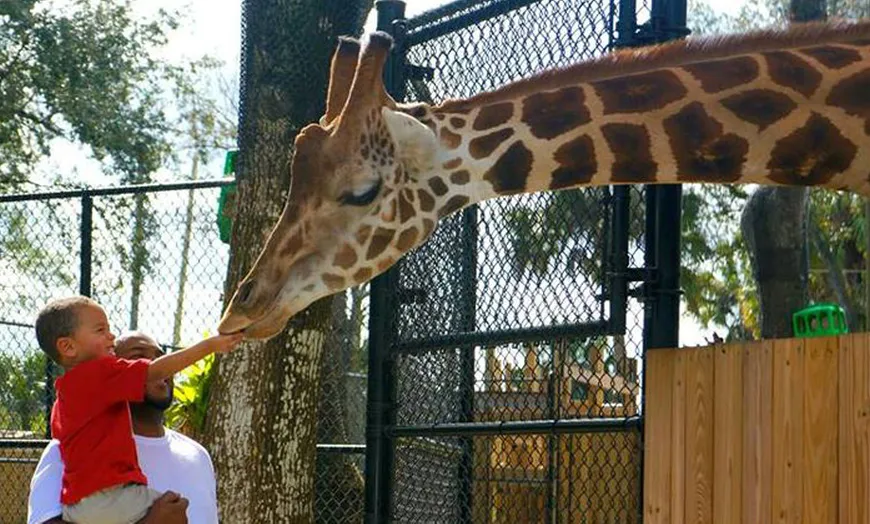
(774, 223)
(185, 256)
(138, 257)
(261, 422)
(775, 228)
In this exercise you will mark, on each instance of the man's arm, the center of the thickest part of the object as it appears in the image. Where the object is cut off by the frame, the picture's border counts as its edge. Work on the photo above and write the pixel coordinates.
(168, 365)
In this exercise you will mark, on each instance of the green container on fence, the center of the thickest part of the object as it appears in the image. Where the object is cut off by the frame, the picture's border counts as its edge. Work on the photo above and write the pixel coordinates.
(227, 200)
(820, 320)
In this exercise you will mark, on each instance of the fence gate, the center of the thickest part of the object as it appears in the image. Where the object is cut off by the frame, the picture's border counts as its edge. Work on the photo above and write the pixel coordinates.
(506, 353)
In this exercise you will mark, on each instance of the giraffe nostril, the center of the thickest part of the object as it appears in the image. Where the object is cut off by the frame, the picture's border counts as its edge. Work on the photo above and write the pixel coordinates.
(245, 292)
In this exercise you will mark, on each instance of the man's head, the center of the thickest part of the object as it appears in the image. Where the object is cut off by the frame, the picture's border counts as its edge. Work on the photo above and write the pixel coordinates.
(133, 345)
(73, 330)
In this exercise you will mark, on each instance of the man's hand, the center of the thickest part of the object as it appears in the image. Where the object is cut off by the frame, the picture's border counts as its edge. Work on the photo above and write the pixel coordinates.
(170, 508)
(224, 343)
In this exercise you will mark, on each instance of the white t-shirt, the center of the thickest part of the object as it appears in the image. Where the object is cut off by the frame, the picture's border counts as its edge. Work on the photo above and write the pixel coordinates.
(172, 462)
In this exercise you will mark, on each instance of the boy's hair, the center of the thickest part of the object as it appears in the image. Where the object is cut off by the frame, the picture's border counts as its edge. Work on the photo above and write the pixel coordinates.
(59, 318)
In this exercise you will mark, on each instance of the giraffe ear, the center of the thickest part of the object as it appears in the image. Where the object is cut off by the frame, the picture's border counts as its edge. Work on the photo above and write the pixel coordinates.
(415, 143)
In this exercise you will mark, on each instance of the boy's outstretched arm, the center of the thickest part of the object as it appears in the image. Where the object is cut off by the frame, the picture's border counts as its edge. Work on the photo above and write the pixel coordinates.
(168, 365)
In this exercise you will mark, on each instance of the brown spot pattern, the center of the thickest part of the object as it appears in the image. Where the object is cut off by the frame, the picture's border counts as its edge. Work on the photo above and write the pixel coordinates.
(853, 96)
(554, 113)
(385, 264)
(458, 123)
(455, 203)
(406, 210)
(362, 236)
(380, 240)
(702, 151)
(333, 282)
(577, 163)
(427, 203)
(406, 239)
(345, 258)
(460, 177)
(450, 139)
(811, 155)
(631, 148)
(833, 57)
(428, 227)
(509, 173)
(292, 246)
(787, 70)
(761, 107)
(362, 275)
(452, 164)
(493, 115)
(639, 93)
(483, 146)
(438, 186)
(718, 75)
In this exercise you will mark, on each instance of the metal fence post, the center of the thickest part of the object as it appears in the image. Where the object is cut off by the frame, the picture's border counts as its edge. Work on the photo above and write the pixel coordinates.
(664, 212)
(381, 388)
(86, 232)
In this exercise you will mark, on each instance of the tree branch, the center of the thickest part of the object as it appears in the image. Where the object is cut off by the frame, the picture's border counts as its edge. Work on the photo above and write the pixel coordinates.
(835, 272)
(44, 122)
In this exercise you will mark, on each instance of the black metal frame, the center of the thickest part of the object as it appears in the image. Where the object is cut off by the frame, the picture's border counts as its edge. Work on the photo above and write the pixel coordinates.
(660, 276)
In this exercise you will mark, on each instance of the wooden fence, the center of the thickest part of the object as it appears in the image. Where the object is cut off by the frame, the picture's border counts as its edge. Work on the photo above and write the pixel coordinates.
(775, 431)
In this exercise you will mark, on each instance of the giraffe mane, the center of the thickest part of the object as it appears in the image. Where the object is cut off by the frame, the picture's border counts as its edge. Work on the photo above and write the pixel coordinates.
(678, 53)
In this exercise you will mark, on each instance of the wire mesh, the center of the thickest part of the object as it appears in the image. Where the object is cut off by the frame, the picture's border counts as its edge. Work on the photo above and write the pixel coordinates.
(507, 271)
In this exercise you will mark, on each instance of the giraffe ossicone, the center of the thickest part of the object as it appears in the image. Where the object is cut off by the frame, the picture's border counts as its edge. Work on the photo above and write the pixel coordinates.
(372, 179)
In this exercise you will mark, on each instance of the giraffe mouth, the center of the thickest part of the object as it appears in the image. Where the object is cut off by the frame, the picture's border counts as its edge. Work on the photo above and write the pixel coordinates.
(264, 327)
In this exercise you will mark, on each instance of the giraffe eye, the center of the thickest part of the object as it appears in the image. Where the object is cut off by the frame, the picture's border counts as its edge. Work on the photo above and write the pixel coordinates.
(362, 199)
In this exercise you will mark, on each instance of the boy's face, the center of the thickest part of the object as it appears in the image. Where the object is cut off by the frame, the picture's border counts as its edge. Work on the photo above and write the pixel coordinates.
(91, 339)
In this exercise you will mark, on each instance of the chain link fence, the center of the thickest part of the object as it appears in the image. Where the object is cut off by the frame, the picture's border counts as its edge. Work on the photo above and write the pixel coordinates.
(151, 256)
(503, 318)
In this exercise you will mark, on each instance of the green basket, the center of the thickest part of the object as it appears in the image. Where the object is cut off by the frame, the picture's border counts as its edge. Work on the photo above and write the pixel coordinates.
(227, 201)
(820, 320)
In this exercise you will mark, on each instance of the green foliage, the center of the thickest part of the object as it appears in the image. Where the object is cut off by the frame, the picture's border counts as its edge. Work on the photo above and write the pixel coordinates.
(187, 412)
(564, 225)
(22, 391)
(86, 72)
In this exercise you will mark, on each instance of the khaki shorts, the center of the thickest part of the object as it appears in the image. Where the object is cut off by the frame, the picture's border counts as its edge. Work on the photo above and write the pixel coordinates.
(116, 505)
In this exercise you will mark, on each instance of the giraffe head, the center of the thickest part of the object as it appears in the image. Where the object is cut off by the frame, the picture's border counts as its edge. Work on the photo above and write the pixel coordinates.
(348, 215)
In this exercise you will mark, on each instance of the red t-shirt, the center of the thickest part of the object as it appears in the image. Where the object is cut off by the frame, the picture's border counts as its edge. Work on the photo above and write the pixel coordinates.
(91, 419)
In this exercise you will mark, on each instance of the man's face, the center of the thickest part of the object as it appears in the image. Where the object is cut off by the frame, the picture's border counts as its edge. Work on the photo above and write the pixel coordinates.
(158, 393)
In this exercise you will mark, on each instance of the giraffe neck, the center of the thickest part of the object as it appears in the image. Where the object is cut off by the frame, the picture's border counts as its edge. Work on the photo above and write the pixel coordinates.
(789, 109)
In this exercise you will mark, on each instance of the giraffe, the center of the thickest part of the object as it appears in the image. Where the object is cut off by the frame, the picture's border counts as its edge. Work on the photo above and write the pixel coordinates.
(373, 177)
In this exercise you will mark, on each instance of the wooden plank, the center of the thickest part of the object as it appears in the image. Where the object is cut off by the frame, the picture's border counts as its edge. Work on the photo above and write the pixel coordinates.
(854, 438)
(678, 437)
(657, 436)
(728, 424)
(820, 430)
(757, 441)
(788, 431)
(699, 436)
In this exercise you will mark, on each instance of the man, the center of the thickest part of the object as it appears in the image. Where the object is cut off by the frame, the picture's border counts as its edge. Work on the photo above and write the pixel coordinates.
(173, 463)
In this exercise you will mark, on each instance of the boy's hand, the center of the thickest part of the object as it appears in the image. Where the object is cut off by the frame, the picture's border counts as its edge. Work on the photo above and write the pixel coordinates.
(224, 343)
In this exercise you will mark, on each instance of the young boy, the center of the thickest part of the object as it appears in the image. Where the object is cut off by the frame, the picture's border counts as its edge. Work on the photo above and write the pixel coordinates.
(102, 482)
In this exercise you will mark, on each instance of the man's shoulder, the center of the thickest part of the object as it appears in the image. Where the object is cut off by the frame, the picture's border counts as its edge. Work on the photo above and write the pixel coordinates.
(51, 452)
(180, 439)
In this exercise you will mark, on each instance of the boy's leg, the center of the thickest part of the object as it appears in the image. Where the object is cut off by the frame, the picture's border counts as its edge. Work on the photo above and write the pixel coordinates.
(118, 505)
